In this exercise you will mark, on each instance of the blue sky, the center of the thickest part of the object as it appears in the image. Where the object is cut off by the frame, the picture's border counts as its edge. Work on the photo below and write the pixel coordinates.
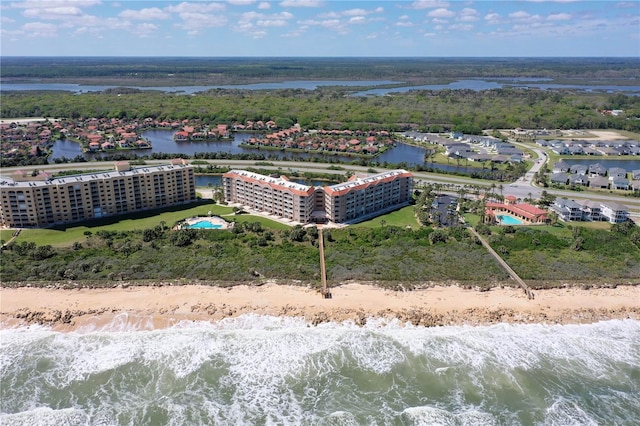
(424, 28)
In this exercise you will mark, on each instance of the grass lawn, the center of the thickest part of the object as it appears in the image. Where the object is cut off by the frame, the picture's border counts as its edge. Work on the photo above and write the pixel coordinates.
(6, 234)
(403, 218)
(265, 222)
(66, 235)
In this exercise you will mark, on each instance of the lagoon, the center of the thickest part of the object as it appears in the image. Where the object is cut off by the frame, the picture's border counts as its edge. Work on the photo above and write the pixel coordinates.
(162, 141)
(465, 84)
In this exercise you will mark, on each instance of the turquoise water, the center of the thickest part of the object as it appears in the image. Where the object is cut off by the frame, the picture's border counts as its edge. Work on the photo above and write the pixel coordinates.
(283, 371)
(509, 220)
(204, 224)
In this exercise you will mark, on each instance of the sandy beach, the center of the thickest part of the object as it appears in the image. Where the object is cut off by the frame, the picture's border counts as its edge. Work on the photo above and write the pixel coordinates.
(163, 306)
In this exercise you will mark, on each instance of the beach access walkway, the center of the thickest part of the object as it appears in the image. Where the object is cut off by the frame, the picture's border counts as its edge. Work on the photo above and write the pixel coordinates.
(504, 264)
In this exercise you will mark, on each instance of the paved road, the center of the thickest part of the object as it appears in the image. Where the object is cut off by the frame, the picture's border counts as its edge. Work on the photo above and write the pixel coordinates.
(521, 188)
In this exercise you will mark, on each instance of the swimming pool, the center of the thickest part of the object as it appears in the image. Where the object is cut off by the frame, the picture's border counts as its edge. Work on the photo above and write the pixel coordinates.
(509, 220)
(204, 224)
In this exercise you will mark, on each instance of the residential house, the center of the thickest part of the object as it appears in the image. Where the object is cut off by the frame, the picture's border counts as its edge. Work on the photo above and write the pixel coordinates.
(620, 183)
(561, 167)
(591, 151)
(580, 169)
(614, 212)
(578, 179)
(616, 172)
(561, 150)
(635, 174)
(597, 169)
(592, 211)
(576, 150)
(459, 150)
(567, 210)
(560, 178)
(599, 182)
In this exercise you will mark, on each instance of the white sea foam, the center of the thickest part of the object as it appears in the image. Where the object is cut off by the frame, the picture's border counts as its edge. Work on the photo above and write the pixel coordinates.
(431, 416)
(281, 370)
(44, 416)
(566, 413)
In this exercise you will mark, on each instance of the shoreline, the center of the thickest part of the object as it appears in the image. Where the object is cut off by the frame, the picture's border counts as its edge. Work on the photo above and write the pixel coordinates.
(153, 307)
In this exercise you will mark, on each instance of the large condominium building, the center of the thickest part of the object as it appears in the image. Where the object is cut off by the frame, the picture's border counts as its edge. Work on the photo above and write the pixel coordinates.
(363, 197)
(46, 202)
(345, 202)
(276, 196)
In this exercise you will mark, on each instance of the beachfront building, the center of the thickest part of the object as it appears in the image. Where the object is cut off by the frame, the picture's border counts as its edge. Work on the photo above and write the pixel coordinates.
(358, 198)
(368, 196)
(276, 196)
(40, 201)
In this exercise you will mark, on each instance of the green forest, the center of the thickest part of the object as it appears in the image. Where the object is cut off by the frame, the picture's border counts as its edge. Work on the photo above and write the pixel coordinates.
(150, 71)
(467, 111)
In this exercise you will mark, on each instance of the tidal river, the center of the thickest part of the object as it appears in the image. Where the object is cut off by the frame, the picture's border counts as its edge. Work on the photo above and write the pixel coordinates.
(280, 370)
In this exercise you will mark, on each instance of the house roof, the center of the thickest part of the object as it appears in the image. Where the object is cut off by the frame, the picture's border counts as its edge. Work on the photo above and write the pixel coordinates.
(523, 209)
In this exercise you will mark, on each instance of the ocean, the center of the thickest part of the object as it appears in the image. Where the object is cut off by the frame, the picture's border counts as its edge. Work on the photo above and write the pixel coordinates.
(264, 370)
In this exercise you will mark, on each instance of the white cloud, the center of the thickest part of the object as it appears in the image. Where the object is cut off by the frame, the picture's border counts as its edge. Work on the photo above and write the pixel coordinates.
(271, 23)
(144, 29)
(627, 5)
(6, 20)
(45, 4)
(559, 17)
(492, 18)
(253, 23)
(350, 12)
(468, 15)
(521, 14)
(241, 2)
(194, 22)
(52, 12)
(441, 13)
(40, 29)
(428, 4)
(264, 5)
(461, 27)
(297, 32)
(195, 7)
(331, 24)
(302, 3)
(404, 23)
(147, 14)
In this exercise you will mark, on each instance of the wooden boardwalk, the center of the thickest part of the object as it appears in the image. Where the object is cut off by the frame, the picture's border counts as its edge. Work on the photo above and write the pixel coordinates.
(323, 269)
(504, 264)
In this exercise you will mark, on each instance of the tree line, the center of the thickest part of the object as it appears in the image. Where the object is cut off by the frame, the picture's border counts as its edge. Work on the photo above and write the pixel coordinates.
(468, 111)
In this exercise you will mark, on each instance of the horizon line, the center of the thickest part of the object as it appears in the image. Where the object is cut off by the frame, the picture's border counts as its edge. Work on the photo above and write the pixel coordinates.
(319, 57)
